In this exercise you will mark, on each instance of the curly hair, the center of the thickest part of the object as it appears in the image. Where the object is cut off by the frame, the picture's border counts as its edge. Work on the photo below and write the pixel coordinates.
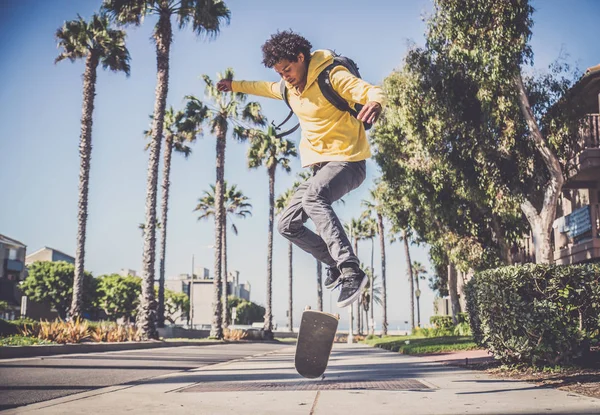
(285, 45)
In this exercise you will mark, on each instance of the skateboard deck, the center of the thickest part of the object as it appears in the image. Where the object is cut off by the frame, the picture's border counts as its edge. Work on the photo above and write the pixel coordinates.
(315, 340)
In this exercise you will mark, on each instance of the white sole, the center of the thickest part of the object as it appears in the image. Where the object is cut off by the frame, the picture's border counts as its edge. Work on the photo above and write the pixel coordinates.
(354, 297)
(330, 286)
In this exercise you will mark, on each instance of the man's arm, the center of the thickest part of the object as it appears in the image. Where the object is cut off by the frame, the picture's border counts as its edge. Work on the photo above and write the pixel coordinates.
(356, 90)
(263, 89)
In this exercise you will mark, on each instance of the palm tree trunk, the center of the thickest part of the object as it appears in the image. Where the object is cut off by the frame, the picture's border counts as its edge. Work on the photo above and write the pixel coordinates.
(352, 307)
(358, 318)
(453, 291)
(164, 210)
(410, 278)
(268, 327)
(224, 276)
(418, 298)
(384, 326)
(146, 318)
(290, 288)
(319, 285)
(372, 321)
(216, 329)
(85, 156)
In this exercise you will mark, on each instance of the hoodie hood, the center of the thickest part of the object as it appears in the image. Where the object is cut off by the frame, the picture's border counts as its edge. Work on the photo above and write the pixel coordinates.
(319, 60)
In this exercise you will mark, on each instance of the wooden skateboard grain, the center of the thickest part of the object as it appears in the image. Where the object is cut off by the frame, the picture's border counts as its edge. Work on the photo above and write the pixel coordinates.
(315, 340)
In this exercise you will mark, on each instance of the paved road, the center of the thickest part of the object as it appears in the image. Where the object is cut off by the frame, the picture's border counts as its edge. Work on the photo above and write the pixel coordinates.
(25, 381)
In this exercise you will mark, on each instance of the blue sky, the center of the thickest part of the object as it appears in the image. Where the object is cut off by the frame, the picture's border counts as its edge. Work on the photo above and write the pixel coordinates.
(41, 110)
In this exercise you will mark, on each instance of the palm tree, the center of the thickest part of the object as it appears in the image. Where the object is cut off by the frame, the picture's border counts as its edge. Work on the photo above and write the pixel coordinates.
(354, 230)
(181, 128)
(404, 236)
(370, 294)
(375, 205)
(419, 272)
(97, 43)
(236, 205)
(268, 149)
(369, 232)
(206, 17)
(142, 227)
(224, 108)
(280, 204)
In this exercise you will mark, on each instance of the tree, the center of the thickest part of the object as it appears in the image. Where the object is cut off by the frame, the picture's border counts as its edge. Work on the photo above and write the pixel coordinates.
(271, 151)
(354, 230)
(375, 206)
(177, 305)
(52, 282)
(118, 296)
(247, 312)
(97, 43)
(370, 295)
(180, 129)
(236, 205)
(419, 272)
(371, 228)
(224, 108)
(430, 186)
(521, 134)
(280, 204)
(206, 17)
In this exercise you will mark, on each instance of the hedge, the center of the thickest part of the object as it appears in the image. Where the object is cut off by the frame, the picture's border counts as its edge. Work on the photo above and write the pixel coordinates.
(536, 313)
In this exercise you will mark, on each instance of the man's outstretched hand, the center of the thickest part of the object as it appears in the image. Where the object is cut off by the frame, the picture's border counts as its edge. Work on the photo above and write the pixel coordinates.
(224, 85)
(370, 112)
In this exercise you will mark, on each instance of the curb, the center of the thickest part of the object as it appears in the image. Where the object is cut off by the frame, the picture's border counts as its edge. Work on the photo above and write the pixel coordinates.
(10, 352)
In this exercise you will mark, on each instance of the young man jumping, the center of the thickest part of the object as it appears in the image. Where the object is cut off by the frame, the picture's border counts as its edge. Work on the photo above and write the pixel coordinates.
(334, 145)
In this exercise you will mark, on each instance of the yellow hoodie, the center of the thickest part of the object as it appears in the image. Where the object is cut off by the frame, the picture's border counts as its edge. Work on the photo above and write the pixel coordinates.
(328, 134)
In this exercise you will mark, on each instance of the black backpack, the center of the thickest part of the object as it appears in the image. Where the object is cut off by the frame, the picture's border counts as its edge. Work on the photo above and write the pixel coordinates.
(328, 92)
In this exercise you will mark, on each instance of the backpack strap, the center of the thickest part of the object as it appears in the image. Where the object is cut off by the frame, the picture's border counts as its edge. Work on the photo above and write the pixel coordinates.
(284, 96)
(331, 94)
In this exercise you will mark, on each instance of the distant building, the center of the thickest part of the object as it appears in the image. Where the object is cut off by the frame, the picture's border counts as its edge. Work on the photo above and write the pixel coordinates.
(12, 271)
(126, 271)
(201, 294)
(48, 254)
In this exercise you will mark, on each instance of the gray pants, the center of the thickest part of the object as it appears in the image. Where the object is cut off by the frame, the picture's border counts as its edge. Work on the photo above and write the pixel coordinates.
(330, 182)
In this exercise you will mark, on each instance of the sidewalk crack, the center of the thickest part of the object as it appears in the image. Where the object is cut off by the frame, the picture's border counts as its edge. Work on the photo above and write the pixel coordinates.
(314, 405)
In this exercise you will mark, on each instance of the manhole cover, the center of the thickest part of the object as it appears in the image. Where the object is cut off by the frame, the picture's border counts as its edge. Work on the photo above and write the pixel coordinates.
(389, 385)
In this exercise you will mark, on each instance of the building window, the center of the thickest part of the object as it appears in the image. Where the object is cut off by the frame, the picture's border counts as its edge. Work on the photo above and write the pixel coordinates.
(12, 254)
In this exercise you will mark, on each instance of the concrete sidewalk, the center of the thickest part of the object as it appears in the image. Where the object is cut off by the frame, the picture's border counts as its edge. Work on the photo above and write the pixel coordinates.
(359, 380)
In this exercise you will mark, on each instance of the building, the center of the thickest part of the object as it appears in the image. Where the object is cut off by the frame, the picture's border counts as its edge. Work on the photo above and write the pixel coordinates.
(48, 254)
(201, 293)
(124, 272)
(577, 227)
(12, 271)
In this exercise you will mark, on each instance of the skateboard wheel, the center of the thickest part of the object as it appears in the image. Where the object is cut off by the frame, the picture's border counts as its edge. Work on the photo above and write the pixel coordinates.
(307, 308)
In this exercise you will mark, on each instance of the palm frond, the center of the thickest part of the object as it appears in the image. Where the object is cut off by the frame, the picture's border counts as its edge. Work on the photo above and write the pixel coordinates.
(252, 112)
(206, 16)
(127, 11)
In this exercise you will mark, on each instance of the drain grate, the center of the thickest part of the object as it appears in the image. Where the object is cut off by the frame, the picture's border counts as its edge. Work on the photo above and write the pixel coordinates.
(388, 385)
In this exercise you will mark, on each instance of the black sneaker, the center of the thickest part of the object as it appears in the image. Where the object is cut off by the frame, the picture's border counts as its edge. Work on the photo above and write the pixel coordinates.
(352, 280)
(333, 273)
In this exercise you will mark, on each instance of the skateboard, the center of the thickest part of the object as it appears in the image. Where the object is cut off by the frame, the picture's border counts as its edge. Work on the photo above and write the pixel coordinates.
(315, 340)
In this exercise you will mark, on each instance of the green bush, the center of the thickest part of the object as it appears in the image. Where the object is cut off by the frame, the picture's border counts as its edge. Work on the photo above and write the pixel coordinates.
(441, 322)
(13, 327)
(247, 312)
(462, 329)
(535, 314)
